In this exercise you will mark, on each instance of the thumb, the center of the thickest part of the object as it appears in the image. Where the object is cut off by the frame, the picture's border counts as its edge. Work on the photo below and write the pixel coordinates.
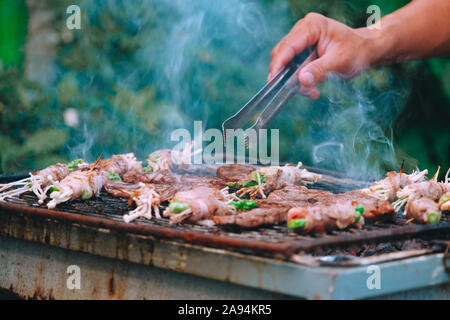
(316, 71)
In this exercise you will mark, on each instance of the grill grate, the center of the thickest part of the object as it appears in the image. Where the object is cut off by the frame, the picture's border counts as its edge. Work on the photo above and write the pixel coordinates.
(106, 211)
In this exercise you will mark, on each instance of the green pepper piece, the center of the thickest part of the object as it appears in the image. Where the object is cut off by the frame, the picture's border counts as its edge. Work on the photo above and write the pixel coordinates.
(73, 165)
(148, 169)
(235, 185)
(178, 207)
(296, 224)
(249, 183)
(444, 199)
(114, 176)
(244, 204)
(249, 204)
(53, 189)
(359, 208)
(86, 194)
(255, 177)
(240, 184)
(433, 217)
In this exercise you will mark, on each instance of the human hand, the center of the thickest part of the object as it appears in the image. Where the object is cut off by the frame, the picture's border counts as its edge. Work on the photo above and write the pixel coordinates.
(341, 50)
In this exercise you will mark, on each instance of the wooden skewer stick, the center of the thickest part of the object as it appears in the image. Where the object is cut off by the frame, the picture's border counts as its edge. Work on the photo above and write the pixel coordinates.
(401, 168)
(125, 191)
(95, 163)
(436, 175)
(410, 220)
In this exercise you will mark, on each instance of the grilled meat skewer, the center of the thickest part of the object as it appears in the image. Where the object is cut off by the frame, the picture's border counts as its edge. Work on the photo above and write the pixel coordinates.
(166, 159)
(201, 203)
(387, 188)
(272, 178)
(88, 183)
(274, 209)
(423, 210)
(319, 219)
(40, 182)
(432, 189)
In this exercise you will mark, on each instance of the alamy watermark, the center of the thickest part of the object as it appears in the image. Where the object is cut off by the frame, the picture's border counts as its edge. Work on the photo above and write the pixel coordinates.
(374, 20)
(373, 282)
(74, 19)
(230, 150)
(74, 279)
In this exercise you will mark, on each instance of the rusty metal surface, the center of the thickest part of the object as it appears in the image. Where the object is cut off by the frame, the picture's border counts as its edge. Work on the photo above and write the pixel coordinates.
(118, 266)
(35, 271)
(38, 271)
(106, 212)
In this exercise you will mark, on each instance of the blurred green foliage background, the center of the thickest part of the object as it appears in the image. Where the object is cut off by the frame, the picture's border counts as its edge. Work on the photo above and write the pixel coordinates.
(139, 69)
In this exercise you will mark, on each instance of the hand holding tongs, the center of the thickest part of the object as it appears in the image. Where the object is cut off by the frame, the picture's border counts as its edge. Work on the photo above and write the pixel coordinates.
(272, 97)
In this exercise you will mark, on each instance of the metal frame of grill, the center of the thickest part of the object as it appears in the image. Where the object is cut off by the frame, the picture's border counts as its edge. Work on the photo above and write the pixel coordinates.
(274, 241)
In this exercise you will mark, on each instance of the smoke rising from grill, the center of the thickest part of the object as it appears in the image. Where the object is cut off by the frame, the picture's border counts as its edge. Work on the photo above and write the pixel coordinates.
(154, 66)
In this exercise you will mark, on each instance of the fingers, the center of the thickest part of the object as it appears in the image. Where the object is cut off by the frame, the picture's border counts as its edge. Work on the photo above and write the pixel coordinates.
(306, 32)
(311, 92)
(317, 71)
(285, 53)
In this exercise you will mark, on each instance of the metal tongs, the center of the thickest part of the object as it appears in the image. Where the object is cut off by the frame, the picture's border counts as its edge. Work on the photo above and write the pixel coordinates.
(272, 97)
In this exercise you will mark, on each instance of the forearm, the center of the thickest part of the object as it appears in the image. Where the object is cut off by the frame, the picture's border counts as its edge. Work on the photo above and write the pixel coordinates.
(419, 30)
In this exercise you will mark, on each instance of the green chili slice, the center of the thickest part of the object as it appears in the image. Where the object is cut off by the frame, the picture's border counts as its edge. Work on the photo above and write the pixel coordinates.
(244, 204)
(433, 217)
(178, 207)
(296, 224)
(73, 165)
(114, 176)
(444, 199)
(147, 169)
(359, 208)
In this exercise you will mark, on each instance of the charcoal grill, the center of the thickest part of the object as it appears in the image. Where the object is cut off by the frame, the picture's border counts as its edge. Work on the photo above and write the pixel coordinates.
(120, 260)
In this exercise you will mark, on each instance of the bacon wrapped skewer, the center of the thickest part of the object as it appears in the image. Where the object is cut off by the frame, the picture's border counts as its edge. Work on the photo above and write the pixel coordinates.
(423, 210)
(84, 184)
(274, 177)
(160, 160)
(39, 182)
(166, 159)
(432, 189)
(387, 188)
(88, 183)
(201, 203)
(319, 219)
